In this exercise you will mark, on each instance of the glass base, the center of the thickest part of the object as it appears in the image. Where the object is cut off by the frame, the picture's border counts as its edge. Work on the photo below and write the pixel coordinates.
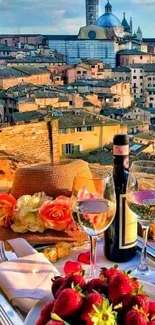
(147, 276)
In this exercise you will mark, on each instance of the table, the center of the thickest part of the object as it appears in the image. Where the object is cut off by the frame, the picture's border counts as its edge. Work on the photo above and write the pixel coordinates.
(101, 259)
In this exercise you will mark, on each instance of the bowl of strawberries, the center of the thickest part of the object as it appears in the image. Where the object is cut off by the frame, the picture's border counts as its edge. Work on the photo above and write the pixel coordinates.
(114, 298)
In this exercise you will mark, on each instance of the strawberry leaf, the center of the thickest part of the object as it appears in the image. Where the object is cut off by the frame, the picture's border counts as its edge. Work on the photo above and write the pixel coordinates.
(56, 317)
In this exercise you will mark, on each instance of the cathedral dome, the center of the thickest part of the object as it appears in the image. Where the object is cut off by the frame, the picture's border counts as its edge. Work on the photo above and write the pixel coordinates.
(108, 20)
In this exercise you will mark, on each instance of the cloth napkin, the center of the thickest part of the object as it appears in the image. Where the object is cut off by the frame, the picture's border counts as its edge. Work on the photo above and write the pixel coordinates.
(27, 279)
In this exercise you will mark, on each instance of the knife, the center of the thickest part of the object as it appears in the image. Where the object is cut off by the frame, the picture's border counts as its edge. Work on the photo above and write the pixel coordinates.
(8, 316)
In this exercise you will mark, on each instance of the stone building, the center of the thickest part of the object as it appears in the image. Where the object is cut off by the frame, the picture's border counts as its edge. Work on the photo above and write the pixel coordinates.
(10, 77)
(111, 92)
(133, 56)
(77, 131)
(100, 39)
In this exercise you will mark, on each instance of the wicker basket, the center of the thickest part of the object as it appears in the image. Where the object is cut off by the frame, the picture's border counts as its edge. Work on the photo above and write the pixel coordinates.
(53, 180)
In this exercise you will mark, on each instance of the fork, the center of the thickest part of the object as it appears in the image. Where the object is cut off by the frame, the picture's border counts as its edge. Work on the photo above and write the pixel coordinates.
(4, 319)
(3, 256)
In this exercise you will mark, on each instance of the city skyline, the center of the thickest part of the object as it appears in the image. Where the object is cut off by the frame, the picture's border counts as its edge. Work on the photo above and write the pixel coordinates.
(38, 16)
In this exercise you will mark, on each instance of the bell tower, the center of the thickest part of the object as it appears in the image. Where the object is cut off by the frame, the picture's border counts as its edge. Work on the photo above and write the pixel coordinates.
(92, 11)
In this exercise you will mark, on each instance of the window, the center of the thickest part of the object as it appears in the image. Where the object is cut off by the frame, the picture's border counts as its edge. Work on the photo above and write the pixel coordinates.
(134, 91)
(134, 71)
(84, 72)
(68, 148)
(151, 98)
(141, 71)
(78, 72)
(64, 131)
(141, 84)
(149, 78)
(134, 85)
(141, 57)
(79, 129)
(141, 77)
(90, 128)
(70, 102)
(134, 77)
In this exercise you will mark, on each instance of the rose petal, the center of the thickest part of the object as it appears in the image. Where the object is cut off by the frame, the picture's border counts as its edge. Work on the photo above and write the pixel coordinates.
(84, 257)
(63, 201)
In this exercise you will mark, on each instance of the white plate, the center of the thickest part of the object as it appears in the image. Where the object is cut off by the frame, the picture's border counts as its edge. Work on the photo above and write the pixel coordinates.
(34, 313)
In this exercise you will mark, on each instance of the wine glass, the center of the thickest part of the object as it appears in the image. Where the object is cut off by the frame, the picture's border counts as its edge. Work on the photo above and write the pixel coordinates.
(93, 205)
(141, 201)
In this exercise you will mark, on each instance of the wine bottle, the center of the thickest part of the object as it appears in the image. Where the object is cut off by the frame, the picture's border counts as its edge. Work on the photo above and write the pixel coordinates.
(121, 236)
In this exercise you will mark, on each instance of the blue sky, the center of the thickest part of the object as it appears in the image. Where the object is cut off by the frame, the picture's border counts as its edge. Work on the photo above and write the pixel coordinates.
(67, 16)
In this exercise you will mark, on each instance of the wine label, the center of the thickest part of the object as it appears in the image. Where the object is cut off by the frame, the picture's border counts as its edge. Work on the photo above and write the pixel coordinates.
(121, 150)
(127, 225)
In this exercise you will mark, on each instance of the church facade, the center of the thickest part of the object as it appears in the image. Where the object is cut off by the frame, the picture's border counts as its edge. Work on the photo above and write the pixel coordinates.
(100, 40)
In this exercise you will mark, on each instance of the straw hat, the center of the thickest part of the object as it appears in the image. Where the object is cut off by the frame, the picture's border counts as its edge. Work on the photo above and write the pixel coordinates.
(53, 180)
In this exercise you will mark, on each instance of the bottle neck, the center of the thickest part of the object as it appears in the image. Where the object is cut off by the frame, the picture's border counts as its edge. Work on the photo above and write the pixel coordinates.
(121, 158)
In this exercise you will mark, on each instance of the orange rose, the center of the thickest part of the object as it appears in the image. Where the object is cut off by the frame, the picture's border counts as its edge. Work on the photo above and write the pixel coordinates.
(56, 214)
(7, 207)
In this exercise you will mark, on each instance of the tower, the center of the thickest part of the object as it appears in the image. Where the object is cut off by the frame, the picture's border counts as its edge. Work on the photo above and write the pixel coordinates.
(139, 34)
(131, 26)
(92, 11)
(125, 24)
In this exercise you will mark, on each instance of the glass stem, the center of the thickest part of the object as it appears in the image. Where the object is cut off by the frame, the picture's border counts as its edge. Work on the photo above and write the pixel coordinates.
(93, 244)
(143, 267)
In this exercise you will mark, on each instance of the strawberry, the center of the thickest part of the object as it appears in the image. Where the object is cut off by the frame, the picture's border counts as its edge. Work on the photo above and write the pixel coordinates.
(47, 309)
(84, 258)
(41, 321)
(135, 317)
(152, 310)
(75, 279)
(119, 286)
(109, 273)
(96, 285)
(127, 302)
(72, 267)
(142, 301)
(68, 302)
(92, 299)
(57, 283)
